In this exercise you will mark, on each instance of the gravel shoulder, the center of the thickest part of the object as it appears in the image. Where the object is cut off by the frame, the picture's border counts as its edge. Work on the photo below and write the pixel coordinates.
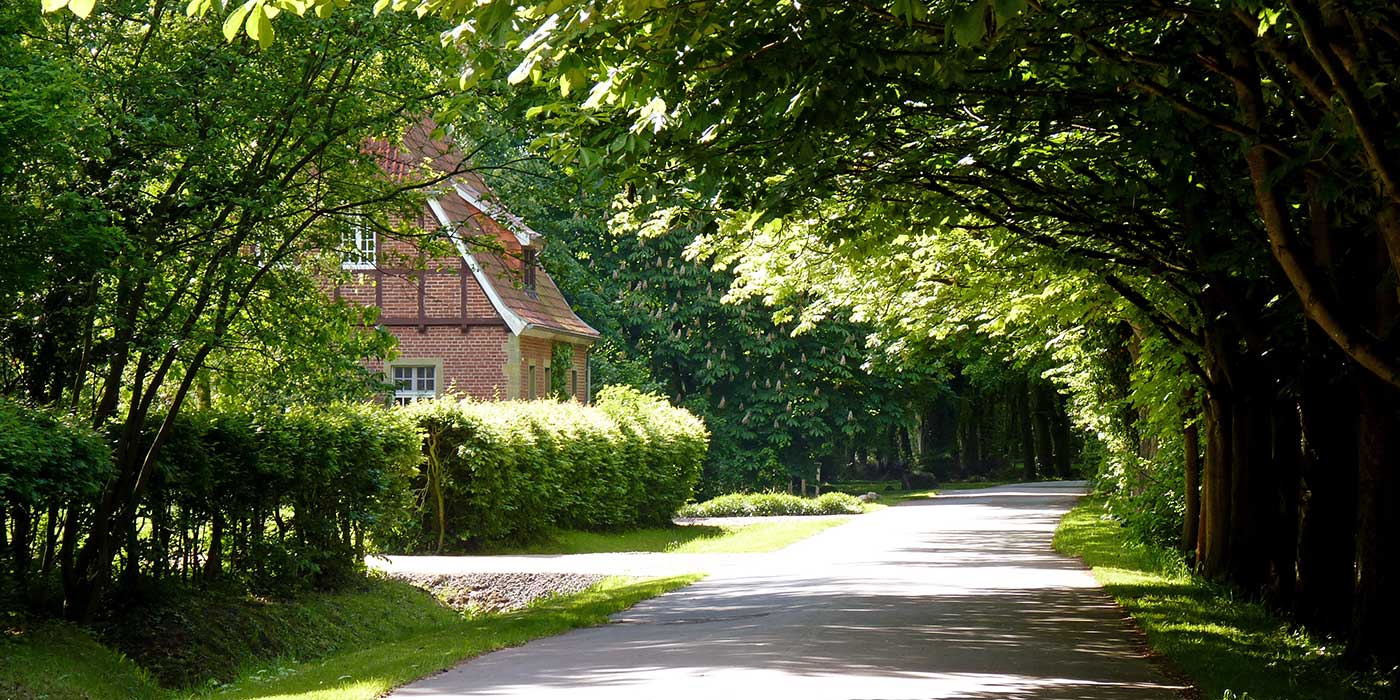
(497, 592)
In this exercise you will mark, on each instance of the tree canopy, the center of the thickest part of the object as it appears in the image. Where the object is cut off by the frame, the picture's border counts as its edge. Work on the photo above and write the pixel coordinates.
(1186, 213)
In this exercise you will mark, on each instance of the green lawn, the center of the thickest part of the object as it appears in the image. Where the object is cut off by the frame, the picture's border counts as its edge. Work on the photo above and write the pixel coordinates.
(419, 636)
(1222, 643)
(684, 539)
(891, 491)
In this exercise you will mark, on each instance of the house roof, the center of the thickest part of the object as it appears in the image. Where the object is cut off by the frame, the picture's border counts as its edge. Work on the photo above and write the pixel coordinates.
(489, 237)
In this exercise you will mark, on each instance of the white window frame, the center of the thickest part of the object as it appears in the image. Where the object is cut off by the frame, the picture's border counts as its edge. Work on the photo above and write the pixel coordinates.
(423, 385)
(360, 247)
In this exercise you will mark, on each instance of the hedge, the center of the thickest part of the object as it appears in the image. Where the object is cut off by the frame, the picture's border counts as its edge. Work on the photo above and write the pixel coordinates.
(764, 504)
(512, 471)
(47, 459)
(280, 498)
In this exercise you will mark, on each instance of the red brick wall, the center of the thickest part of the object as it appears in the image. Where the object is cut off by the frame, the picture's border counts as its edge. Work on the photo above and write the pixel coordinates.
(581, 366)
(537, 352)
(473, 364)
(540, 352)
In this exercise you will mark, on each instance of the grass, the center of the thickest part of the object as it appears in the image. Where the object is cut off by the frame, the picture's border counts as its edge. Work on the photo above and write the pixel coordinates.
(684, 539)
(892, 491)
(58, 661)
(417, 637)
(1221, 642)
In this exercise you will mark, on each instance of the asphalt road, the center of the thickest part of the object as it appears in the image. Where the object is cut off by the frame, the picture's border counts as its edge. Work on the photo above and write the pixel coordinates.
(956, 597)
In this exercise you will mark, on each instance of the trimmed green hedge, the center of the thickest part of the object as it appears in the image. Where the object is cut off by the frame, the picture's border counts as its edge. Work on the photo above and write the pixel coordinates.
(48, 459)
(510, 472)
(764, 504)
(280, 498)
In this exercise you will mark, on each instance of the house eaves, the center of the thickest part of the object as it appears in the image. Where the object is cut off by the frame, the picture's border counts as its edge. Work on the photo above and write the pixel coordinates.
(513, 320)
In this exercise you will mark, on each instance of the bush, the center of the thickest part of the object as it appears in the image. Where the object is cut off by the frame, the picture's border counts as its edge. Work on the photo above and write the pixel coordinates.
(512, 471)
(47, 458)
(278, 497)
(765, 504)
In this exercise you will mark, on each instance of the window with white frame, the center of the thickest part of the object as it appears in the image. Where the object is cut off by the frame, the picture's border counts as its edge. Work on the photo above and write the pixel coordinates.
(358, 247)
(414, 383)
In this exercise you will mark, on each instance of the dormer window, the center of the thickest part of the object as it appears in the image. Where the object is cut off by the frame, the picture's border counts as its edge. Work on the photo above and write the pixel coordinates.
(531, 264)
(358, 247)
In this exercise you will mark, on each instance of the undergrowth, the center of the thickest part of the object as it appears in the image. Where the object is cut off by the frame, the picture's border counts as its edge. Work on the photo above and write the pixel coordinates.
(333, 646)
(1230, 647)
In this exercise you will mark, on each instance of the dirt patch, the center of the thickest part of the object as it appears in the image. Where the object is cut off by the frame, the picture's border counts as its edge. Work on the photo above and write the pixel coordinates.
(497, 592)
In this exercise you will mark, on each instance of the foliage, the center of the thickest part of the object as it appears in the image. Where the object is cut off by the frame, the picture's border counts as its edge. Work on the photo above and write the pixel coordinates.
(766, 504)
(1185, 215)
(279, 498)
(47, 456)
(778, 406)
(512, 471)
(339, 646)
(176, 214)
(1223, 643)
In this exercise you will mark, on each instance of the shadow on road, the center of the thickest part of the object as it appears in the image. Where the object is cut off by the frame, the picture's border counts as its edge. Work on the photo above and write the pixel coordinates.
(961, 598)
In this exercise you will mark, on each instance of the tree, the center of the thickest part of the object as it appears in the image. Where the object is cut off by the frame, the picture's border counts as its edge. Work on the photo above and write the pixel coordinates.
(1226, 171)
(193, 197)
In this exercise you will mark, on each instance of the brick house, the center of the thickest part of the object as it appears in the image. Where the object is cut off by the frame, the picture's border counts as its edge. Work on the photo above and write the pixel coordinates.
(485, 320)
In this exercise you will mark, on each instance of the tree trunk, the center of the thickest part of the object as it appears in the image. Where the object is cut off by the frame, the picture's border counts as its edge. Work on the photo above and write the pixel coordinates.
(1213, 542)
(1191, 446)
(1040, 422)
(1023, 420)
(1060, 437)
(19, 544)
(132, 571)
(1249, 484)
(214, 563)
(1327, 506)
(1376, 607)
(50, 556)
(1283, 535)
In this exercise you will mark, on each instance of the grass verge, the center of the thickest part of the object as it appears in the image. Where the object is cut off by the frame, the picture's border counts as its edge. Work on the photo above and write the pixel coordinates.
(892, 492)
(684, 539)
(416, 636)
(1229, 647)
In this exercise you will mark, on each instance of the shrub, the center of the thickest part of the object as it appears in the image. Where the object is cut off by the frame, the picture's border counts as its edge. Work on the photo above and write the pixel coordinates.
(509, 472)
(766, 504)
(46, 458)
(278, 497)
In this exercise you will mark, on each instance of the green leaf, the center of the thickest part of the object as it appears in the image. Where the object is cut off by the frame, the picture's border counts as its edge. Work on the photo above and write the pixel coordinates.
(1006, 9)
(259, 27)
(570, 80)
(380, 6)
(969, 23)
(53, 5)
(235, 19)
(523, 70)
(81, 8)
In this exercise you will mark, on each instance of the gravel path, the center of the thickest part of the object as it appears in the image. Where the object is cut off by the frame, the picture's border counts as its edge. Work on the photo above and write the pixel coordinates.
(497, 592)
(959, 597)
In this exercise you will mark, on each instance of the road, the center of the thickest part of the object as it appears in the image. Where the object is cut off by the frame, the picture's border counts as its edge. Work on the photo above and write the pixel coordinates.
(956, 597)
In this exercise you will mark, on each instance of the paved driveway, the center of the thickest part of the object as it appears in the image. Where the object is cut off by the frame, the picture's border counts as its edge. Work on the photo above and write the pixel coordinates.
(957, 597)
